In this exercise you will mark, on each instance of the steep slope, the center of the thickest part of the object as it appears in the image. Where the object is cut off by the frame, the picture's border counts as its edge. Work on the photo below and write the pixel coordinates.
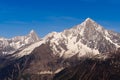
(8, 46)
(93, 69)
(87, 38)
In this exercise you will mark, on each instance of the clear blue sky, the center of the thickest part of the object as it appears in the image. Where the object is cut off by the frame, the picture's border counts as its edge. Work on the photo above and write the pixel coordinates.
(18, 17)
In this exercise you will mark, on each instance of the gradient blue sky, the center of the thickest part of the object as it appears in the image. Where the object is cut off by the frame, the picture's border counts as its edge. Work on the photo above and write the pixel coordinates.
(18, 17)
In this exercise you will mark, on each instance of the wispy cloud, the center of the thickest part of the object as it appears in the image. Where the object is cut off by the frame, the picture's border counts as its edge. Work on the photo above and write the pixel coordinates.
(63, 18)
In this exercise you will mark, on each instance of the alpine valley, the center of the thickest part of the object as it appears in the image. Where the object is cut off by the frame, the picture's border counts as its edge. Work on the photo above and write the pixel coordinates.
(85, 52)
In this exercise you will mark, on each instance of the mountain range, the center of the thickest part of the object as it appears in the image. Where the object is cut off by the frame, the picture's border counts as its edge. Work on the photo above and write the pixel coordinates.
(30, 57)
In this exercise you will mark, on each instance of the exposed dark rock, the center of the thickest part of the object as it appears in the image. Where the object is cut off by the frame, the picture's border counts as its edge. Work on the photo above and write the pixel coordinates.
(93, 69)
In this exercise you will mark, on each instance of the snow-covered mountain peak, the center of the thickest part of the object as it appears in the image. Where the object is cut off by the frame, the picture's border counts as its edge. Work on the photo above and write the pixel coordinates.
(33, 35)
(89, 19)
(32, 32)
(86, 21)
(10, 45)
(89, 26)
(90, 23)
(87, 37)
